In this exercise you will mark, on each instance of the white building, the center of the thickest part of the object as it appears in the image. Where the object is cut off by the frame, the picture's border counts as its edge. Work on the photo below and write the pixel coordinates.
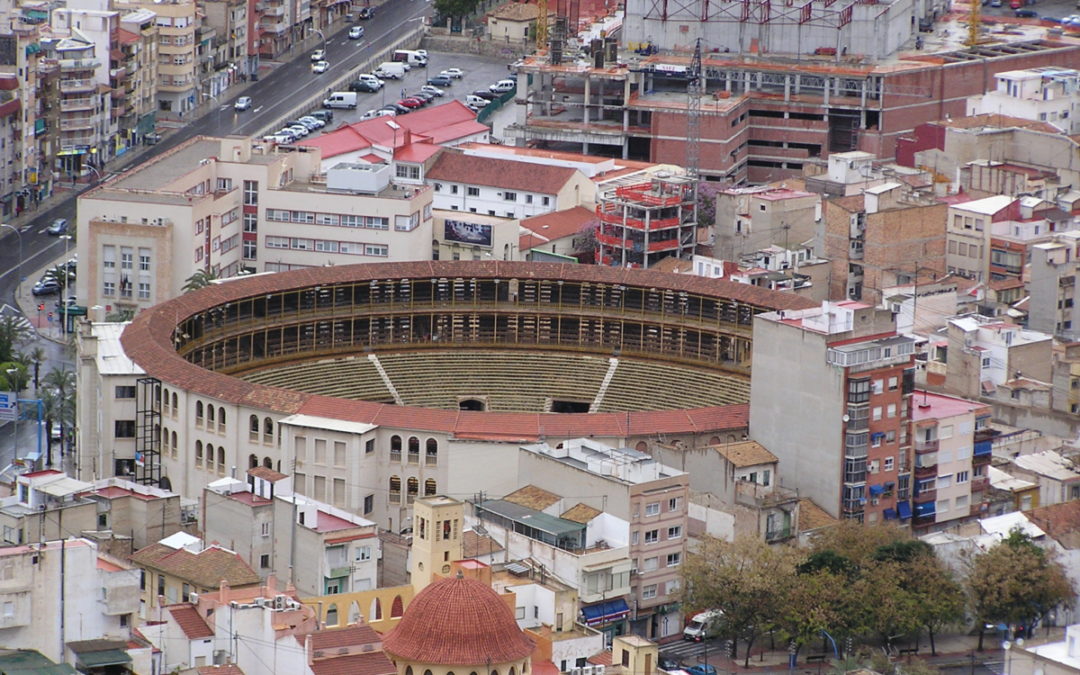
(1048, 94)
(34, 593)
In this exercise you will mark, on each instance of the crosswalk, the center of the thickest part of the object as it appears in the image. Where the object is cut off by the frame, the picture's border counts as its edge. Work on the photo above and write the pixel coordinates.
(23, 322)
(690, 653)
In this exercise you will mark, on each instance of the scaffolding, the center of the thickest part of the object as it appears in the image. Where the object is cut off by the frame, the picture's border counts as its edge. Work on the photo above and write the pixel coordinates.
(148, 431)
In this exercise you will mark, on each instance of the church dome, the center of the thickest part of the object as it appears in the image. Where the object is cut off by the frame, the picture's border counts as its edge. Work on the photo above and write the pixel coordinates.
(458, 622)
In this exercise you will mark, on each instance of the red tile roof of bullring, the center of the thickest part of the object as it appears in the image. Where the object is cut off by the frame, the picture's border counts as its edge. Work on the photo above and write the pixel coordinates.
(148, 342)
(460, 622)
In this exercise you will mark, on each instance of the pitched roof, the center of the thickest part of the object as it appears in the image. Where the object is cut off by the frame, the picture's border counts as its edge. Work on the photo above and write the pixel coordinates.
(206, 569)
(474, 544)
(227, 669)
(555, 225)
(813, 517)
(190, 621)
(358, 634)
(581, 513)
(456, 167)
(532, 497)
(1060, 521)
(746, 453)
(371, 663)
(517, 11)
(266, 474)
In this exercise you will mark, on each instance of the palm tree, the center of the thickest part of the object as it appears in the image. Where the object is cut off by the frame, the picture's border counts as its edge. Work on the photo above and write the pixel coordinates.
(200, 279)
(36, 357)
(61, 380)
(14, 330)
(61, 274)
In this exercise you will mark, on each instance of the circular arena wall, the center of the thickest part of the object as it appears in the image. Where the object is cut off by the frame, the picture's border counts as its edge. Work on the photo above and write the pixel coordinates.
(207, 342)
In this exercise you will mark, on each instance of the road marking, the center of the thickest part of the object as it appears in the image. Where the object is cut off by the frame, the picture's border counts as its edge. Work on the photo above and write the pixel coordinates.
(223, 107)
(257, 109)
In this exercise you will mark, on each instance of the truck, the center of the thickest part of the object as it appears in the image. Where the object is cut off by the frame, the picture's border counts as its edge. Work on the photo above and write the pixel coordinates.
(340, 99)
(702, 625)
(391, 70)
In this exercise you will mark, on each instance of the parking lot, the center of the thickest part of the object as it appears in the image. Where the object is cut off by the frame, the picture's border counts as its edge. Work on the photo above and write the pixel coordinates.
(480, 71)
(1058, 9)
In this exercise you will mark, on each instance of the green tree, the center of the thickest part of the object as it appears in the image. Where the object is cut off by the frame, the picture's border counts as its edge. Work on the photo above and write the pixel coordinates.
(61, 274)
(939, 596)
(745, 578)
(1016, 583)
(61, 380)
(121, 315)
(14, 376)
(455, 9)
(14, 331)
(200, 279)
(37, 358)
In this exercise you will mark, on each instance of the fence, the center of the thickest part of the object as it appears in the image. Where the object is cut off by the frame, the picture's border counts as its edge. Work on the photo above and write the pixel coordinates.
(488, 111)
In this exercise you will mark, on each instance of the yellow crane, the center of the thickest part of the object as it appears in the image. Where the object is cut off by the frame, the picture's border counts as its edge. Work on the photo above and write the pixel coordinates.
(974, 23)
(541, 25)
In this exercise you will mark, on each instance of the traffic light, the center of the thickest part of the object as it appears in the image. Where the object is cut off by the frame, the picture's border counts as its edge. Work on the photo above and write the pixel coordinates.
(41, 307)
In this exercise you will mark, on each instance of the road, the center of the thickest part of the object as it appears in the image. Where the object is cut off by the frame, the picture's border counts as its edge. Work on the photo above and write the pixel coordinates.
(275, 95)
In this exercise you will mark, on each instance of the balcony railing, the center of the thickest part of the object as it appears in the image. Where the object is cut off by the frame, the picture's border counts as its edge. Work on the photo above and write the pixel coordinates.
(76, 85)
(79, 64)
(76, 103)
(926, 446)
(979, 483)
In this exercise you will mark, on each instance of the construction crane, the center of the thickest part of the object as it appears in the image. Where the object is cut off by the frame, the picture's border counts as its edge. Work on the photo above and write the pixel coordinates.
(541, 25)
(974, 23)
(693, 117)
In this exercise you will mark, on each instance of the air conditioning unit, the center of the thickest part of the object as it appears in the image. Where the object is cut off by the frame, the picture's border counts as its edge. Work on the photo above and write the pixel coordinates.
(193, 598)
(575, 671)
(598, 670)
(221, 657)
(587, 670)
(280, 602)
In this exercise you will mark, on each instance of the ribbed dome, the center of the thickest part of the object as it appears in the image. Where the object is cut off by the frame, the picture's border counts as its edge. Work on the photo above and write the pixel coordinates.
(458, 622)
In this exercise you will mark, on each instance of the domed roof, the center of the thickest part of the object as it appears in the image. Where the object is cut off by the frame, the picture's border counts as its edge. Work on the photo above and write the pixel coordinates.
(458, 622)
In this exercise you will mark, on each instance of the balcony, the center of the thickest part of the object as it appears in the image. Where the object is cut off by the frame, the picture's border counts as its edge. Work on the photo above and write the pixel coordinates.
(118, 73)
(274, 10)
(926, 446)
(78, 122)
(76, 104)
(67, 65)
(73, 86)
(979, 483)
(665, 245)
(759, 496)
(75, 141)
(274, 28)
(338, 572)
(926, 471)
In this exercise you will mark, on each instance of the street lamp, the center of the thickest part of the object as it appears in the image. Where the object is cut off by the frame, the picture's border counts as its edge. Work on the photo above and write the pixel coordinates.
(18, 281)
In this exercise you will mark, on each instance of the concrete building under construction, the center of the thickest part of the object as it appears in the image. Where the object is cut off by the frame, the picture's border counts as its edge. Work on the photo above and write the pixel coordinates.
(763, 116)
(641, 224)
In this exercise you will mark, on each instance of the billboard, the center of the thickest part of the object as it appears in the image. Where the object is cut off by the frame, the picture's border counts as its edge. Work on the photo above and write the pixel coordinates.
(467, 233)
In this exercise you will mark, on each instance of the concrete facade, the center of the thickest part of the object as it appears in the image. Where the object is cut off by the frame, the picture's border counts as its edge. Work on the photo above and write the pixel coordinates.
(751, 219)
(1054, 307)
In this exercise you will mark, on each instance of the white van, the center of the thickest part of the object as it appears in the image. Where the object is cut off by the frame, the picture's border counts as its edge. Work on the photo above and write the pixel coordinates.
(411, 57)
(702, 625)
(503, 86)
(370, 80)
(340, 99)
(391, 70)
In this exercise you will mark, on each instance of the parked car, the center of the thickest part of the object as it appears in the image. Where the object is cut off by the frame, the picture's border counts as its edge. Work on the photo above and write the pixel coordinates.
(320, 67)
(356, 32)
(433, 90)
(318, 55)
(397, 108)
(366, 13)
(299, 130)
(476, 102)
(440, 80)
(372, 114)
(453, 73)
(363, 87)
(46, 287)
(242, 103)
(324, 115)
(702, 669)
(312, 122)
(666, 663)
(280, 138)
(58, 227)
(503, 86)
(411, 103)
(424, 96)
(1026, 14)
(485, 94)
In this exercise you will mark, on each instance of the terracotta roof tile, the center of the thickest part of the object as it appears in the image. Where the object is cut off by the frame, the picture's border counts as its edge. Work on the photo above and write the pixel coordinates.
(516, 11)
(227, 669)
(532, 497)
(356, 635)
(456, 167)
(813, 517)
(372, 663)
(474, 545)
(601, 659)
(206, 569)
(190, 621)
(746, 453)
(1060, 521)
(556, 225)
(581, 513)
(460, 622)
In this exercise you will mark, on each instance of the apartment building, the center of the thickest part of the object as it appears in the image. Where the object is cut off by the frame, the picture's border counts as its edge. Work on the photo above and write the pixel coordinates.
(969, 230)
(57, 594)
(180, 565)
(839, 374)
(339, 550)
(1047, 94)
(953, 440)
(1053, 306)
(796, 270)
(885, 236)
(178, 83)
(223, 206)
(637, 489)
(984, 352)
(135, 72)
(222, 52)
(751, 219)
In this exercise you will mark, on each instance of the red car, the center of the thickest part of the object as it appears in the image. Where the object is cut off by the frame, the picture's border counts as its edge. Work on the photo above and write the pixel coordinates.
(411, 103)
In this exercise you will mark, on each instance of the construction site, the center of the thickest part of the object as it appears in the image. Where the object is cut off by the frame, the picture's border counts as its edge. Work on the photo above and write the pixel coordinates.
(773, 88)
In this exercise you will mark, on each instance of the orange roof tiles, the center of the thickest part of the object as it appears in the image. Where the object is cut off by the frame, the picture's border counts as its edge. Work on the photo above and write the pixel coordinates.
(456, 167)
(532, 497)
(266, 474)
(459, 622)
(358, 634)
(372, 663)
(206, 569)
(190, 621)
(555, 225)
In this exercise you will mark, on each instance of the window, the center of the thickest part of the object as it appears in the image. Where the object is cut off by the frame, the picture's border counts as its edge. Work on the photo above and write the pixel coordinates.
(224, 184)
(674, 503)
(108, 288)
(674, 532)
(453, 189)
(876, 414)
(510, 196)
(650, 564)
(264, 529)
(251, 192)
(652, 536)
(144, 259)
(264, 560)
(369, 504)
(251, 222)
(126, 258)
(961, 477)
(648, 592)
(547, 201)
(472, 192)
(369, 446)
(144, 290)
(652, 509)
(125, 392)
(251, 250)
(893, 382)
(943, 505)
(889, 463)
(124, 429)
(108, 257)
(879, 386)
(891, 410)
(674, 559)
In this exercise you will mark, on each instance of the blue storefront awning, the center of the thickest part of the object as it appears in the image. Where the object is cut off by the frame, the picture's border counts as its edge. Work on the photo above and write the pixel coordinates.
(876, 490)
(890, 514)
(904, 509)
(605, 612)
